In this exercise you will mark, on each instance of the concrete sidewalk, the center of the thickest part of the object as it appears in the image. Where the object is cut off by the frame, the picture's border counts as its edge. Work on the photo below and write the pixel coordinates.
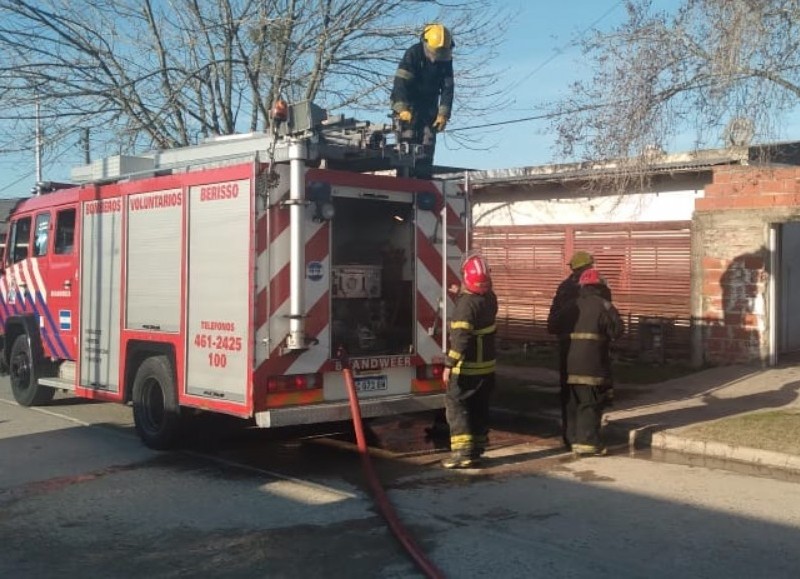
(703, 413)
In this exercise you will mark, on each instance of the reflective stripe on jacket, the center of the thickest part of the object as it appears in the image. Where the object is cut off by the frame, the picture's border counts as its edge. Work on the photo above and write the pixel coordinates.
(472, 335)
(587, 326)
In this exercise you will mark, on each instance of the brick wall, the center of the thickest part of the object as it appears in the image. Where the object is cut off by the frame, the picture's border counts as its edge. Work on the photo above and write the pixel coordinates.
(751, 188)
(731, 258)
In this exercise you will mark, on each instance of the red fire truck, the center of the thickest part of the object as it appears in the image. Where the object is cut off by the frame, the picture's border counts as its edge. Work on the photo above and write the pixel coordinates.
(230, 276)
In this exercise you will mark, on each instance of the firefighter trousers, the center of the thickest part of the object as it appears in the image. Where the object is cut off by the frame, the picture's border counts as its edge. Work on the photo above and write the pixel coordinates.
(584, 414)
(467, 410)
(567, 417)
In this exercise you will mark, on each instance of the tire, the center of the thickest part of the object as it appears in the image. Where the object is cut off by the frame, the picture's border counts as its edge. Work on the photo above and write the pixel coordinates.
(24, 375)
(156, 413)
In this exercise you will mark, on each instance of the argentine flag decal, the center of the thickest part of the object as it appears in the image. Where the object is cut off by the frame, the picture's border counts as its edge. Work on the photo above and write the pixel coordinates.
(64, 319)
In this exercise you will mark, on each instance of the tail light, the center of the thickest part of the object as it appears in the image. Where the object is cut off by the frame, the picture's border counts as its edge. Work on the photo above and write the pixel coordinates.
(294, 383)
(430, 372)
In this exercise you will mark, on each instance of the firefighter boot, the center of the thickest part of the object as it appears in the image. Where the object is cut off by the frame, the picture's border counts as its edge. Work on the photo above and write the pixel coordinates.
(459, 461)
(589, 450)
(462, 459)
(438, 431)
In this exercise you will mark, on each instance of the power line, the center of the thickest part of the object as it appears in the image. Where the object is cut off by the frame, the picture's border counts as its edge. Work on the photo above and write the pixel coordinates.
(31, 174)
(10, 185)
(541, 117)
(559, 50)
(556, 53)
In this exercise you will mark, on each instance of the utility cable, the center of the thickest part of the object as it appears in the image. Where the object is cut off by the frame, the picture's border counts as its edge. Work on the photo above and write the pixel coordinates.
(10, 185)
(543, 116)
(559, 50)
(29, 174)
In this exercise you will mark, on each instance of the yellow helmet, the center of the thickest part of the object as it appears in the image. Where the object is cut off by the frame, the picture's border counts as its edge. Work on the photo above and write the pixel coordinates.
(437, 41)
(581, 259)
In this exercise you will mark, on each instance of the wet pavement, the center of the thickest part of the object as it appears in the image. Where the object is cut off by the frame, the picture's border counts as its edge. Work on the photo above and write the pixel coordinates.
(80, 496)
(667, 416)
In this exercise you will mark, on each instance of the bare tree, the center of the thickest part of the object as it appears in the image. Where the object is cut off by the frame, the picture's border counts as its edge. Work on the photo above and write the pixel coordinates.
(724, 70)
(164, 73)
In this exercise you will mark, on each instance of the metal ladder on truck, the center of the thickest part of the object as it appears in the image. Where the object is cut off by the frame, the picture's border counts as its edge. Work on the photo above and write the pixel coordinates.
(453, 256)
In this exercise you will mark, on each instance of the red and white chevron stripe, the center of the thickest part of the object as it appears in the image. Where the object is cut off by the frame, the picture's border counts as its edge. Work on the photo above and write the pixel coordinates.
(273, 284)
(25, 274)
(429, 267)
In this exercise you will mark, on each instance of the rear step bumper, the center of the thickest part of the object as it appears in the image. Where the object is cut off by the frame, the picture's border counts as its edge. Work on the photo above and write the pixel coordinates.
(338, 411)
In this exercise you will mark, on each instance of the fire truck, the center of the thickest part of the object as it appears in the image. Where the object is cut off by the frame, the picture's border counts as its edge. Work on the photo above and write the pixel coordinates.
(238, 276)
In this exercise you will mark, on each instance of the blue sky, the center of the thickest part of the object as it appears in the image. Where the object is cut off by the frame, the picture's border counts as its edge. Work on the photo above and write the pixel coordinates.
(538, 56)
(542, 59)
(539, 61)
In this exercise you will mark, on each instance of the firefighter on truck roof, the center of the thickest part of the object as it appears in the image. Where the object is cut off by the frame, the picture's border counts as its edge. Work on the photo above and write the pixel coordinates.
(470, 366)
(422, 95)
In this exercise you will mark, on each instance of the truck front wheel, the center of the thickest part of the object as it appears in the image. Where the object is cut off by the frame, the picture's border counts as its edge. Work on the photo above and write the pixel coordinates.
(156, 413)
(24, 378)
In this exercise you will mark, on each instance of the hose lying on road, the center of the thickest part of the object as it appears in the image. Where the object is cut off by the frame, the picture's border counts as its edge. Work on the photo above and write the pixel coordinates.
(378, 493)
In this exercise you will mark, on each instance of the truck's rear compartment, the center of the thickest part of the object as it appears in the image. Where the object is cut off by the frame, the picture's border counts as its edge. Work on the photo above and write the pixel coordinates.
(372, 266)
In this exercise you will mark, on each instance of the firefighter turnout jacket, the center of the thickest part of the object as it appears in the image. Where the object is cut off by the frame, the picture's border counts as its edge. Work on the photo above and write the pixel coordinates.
(472, 335)
(568, 291)
(588, 325)
(423, 87)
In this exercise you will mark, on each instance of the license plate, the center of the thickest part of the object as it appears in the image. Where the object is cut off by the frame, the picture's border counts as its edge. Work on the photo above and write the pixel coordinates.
(371, 383)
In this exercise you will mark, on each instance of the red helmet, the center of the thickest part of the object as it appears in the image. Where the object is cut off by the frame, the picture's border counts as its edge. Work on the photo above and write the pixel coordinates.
(475, 272)
(590, 277)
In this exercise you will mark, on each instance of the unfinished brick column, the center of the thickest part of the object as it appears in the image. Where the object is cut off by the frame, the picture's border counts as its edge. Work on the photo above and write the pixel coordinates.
(731, 260)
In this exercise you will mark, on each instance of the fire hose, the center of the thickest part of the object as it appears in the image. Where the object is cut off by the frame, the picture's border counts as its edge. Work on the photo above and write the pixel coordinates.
(400, 532)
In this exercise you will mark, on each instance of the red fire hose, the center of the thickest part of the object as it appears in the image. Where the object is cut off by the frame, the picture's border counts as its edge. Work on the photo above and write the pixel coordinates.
(378, 493)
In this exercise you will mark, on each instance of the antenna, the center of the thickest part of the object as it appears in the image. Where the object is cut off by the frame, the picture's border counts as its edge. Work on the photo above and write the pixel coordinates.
(37, 187)
(38, 141)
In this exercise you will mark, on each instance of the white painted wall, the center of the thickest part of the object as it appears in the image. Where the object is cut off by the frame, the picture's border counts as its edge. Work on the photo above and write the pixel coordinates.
(635, 207)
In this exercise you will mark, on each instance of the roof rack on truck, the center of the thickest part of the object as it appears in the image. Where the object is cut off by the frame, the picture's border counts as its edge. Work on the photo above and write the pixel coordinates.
(334, 142)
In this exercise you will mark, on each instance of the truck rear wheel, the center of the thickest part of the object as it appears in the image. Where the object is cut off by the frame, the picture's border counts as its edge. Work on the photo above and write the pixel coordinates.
(156, 413)
(24, 377)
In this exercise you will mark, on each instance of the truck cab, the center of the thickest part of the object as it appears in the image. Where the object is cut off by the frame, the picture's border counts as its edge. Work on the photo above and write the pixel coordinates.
(37, 301)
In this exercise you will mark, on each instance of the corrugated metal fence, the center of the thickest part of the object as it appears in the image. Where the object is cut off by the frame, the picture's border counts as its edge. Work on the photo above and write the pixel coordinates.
(647, 266)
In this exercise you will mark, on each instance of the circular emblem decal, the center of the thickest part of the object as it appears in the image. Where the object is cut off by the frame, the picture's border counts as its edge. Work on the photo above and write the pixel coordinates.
(314, 270)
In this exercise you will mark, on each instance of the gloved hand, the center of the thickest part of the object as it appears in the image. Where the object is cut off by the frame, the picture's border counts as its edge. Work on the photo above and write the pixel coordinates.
(404, 116)
(440, 123)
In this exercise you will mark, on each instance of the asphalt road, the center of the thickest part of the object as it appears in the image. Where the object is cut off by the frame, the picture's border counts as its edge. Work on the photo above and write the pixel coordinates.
(80, 496)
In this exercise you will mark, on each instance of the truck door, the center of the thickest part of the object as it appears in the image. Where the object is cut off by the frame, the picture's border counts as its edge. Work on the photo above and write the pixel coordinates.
(56, 264)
